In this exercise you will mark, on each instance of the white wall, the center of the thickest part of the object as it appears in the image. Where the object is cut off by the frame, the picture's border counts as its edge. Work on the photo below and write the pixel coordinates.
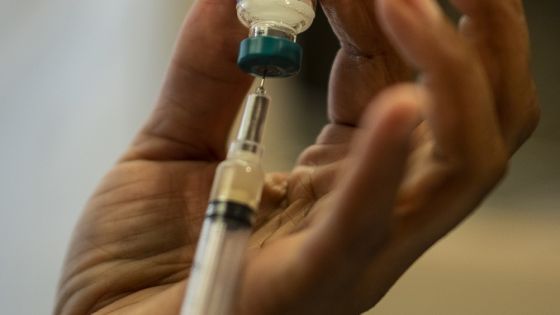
(76, 80)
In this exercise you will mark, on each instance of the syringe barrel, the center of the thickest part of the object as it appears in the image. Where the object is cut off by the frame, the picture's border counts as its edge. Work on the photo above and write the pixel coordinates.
(220, 254)
(235, 196)
(213, 285)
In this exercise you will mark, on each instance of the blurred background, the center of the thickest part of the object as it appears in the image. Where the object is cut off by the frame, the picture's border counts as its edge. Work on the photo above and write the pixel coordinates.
(78, 78)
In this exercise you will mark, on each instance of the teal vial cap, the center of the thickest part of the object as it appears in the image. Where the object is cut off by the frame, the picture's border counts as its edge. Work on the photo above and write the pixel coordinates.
(271, 56)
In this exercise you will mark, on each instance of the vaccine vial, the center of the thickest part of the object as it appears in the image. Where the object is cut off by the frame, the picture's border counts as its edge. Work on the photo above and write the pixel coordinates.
(293, 16)
(271, 49)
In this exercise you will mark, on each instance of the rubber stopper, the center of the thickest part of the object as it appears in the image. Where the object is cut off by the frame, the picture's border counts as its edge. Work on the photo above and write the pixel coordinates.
(270, 56)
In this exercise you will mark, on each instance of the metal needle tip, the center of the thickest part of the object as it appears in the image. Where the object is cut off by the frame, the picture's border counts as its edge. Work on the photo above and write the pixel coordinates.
(261, 89)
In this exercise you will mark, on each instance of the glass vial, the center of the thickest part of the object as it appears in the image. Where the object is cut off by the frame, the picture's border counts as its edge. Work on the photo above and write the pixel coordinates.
(292, 16)
(271, 49)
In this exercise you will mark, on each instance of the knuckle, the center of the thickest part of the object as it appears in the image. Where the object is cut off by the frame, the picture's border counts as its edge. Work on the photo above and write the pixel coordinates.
(310, 156)
(499, 168)
(492, 168)
(483, 171)
(533, 114)
(460, 56)
(516, 6)
(461, 60)
(527, 121)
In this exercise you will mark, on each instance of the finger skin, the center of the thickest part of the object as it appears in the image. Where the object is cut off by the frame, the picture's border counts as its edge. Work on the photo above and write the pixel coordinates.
(373, 170)
(203, 90)
(359, 216)
(365, 64)
(461, 114)
(498, 30)
(461, 111)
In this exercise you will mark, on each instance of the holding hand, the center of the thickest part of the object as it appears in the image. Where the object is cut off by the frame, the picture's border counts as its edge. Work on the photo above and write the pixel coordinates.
(398, 166)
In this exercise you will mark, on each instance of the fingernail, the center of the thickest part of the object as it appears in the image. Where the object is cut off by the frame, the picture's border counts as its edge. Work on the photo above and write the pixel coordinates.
(429, 9)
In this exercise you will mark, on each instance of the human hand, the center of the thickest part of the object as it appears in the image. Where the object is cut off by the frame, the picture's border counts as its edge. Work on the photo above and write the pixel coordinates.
(385, 180)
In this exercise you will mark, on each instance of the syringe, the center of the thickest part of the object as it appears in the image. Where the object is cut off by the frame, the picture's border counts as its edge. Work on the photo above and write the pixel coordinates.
(235, 196)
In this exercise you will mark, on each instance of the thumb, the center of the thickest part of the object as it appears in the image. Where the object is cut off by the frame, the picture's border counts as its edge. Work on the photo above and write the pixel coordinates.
(203, 90)
(361, 218)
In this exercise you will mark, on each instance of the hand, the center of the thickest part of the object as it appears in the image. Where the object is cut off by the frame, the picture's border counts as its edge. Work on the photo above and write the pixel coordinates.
(399, 166)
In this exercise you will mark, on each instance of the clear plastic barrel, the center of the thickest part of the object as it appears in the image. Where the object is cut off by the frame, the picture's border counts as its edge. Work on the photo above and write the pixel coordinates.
(236, 193)
(239, 179)
(220, 256)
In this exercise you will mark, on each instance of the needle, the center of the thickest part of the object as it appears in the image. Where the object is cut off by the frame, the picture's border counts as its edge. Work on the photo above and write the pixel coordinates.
(260, 89)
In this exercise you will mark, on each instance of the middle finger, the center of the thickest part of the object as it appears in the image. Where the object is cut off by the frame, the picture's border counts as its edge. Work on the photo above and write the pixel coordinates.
(366, 62)
(462, 116)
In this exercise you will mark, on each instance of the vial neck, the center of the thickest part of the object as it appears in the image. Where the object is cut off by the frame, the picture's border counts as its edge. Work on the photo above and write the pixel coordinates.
(274, 29)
